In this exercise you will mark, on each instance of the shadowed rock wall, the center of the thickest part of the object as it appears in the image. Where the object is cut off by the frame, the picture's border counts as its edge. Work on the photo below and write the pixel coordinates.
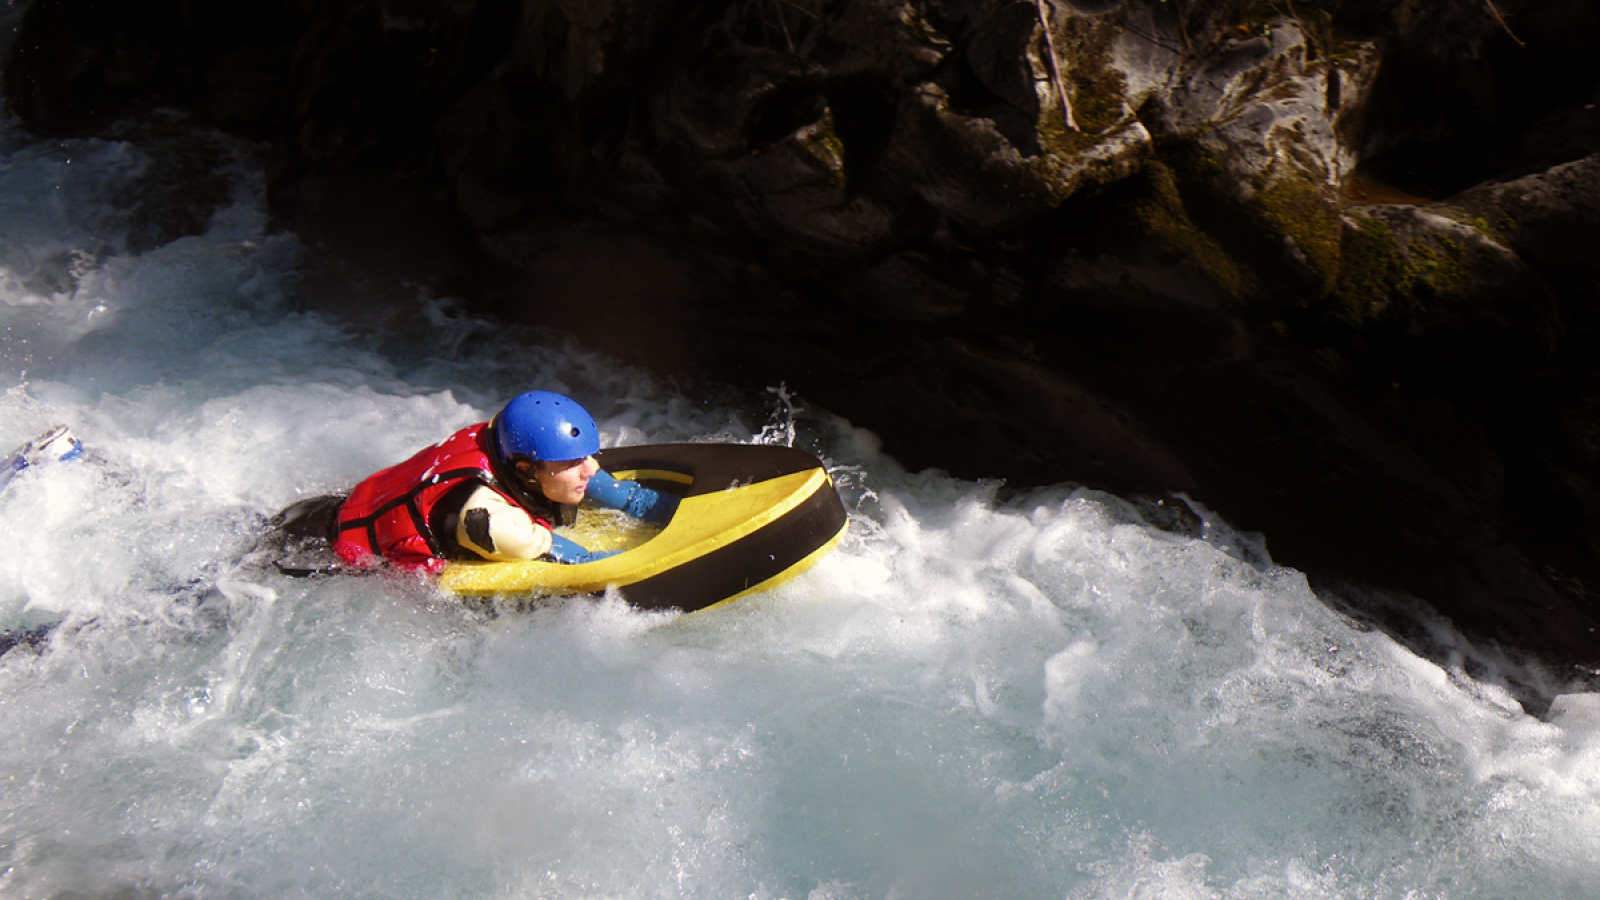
(1325, 266)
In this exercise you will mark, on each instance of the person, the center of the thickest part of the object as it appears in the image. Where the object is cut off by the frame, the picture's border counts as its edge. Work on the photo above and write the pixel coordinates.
(493, 491)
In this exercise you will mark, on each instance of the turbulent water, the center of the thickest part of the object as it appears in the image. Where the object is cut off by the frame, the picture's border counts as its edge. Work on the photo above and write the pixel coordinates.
(977, 695)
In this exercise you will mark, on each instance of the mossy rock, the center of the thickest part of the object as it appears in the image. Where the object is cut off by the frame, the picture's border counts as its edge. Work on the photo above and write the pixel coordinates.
(1306, 216)
(1441, 288)
(1162, 213)
(1385, 270)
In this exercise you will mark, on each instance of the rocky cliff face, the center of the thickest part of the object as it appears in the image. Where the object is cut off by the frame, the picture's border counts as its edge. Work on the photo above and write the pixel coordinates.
(1325, 265)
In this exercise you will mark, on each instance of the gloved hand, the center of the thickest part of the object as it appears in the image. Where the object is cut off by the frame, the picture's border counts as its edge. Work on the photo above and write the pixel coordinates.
(632, 498)
(572, 553)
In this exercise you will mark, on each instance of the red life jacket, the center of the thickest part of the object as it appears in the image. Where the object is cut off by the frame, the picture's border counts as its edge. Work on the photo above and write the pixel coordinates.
(388, 514)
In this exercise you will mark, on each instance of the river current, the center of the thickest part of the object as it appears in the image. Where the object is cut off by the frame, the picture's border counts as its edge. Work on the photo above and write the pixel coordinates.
(980, 693)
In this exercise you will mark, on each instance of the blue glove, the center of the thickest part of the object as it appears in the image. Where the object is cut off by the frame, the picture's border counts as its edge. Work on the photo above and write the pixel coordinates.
(572, 553)
(631, 497)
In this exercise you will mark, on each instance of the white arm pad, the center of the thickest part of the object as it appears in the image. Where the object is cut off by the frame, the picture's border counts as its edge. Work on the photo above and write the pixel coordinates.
(511, 533)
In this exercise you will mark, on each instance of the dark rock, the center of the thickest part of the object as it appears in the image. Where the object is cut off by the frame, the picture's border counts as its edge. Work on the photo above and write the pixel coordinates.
(80, 65)
(76, 65)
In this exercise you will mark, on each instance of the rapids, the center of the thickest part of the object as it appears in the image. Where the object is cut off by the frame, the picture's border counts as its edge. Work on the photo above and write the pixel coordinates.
(981, 693)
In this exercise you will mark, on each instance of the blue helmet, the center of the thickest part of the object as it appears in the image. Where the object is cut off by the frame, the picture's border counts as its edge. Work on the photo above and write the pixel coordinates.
(542, 425)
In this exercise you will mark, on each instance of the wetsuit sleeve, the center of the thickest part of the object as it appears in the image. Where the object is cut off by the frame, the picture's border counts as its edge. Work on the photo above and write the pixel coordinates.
(632, 498)
(499, 530)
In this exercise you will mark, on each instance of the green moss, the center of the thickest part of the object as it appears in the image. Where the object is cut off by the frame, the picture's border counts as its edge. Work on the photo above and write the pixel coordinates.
(1161, 213)
(1374, 269)
(834, 146)
(1380, 272)
(1298, 210)
(1195, 163)
(1443, 262)
(1097, 90)
(830, 139)
(1482, 226)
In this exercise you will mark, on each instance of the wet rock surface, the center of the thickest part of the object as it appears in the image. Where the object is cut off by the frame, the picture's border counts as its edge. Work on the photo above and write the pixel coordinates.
(1325, 267)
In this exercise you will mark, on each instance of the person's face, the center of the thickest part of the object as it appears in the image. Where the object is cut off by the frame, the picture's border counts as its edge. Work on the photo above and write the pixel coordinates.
(566, 481)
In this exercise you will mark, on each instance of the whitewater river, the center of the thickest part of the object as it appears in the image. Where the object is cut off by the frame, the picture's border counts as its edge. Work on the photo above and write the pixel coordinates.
(978, 695)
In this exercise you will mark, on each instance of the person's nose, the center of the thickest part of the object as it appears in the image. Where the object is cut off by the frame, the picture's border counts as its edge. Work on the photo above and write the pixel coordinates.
(590, 466)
